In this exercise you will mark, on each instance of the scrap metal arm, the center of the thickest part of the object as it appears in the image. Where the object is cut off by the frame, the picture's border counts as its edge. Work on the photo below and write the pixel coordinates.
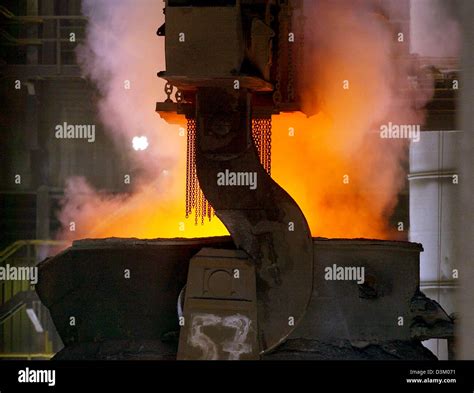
(220, 57)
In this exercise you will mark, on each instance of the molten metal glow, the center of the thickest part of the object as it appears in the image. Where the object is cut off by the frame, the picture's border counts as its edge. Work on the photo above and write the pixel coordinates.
(308, 162)
(343, 190)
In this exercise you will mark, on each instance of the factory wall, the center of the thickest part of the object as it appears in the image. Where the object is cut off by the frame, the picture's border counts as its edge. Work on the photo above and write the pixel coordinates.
(41, 87)
(434, 185)
(464, 214)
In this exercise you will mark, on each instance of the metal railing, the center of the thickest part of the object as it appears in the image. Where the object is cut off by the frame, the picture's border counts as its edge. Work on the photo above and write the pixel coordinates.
(19, 244)
(73, 23)
(26, 329)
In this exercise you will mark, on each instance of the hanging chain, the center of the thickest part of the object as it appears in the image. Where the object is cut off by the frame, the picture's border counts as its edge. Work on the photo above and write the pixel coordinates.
(189, 161)
(256, 134)
(204, 208)
(262, 136)
(178, 96)
(195, 198)
(190, 167)
(267, 133)
(198, 207)
(168, 91)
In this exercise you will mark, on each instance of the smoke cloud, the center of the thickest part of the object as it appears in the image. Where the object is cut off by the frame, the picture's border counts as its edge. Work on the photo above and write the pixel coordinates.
(121, 56)
(345, 177)
(360, 77)
(434, 28)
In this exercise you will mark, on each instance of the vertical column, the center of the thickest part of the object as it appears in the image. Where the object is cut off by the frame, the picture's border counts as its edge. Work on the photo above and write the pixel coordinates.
(464, 234)
(434, 183)
(43, 207)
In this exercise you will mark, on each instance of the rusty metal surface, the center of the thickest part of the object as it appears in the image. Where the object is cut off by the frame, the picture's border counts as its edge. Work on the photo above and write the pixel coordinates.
(220, 309)
(190, 83)
(194, 49)
(87, 281)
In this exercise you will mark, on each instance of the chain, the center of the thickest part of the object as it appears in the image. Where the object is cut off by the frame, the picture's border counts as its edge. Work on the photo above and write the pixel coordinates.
(198, 207)
(178, 96)
(168, 91)
(209, 211)
(189, 161)
(267, 159)
(262, 136)
(190, 167)
(256, 134)
(195, 198)
(204, 208)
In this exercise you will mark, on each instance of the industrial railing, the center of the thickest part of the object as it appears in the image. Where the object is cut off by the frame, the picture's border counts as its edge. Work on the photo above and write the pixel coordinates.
(68, 29)
(26, 329)
(28, 244)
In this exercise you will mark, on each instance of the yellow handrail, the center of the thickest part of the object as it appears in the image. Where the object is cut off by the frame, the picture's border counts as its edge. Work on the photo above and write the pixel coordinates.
(14, 247)
(26, 355)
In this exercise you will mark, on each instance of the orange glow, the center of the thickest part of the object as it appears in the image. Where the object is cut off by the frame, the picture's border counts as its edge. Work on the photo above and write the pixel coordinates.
(342, 174)
(341, 194)
(152, 211)
(310, 166)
